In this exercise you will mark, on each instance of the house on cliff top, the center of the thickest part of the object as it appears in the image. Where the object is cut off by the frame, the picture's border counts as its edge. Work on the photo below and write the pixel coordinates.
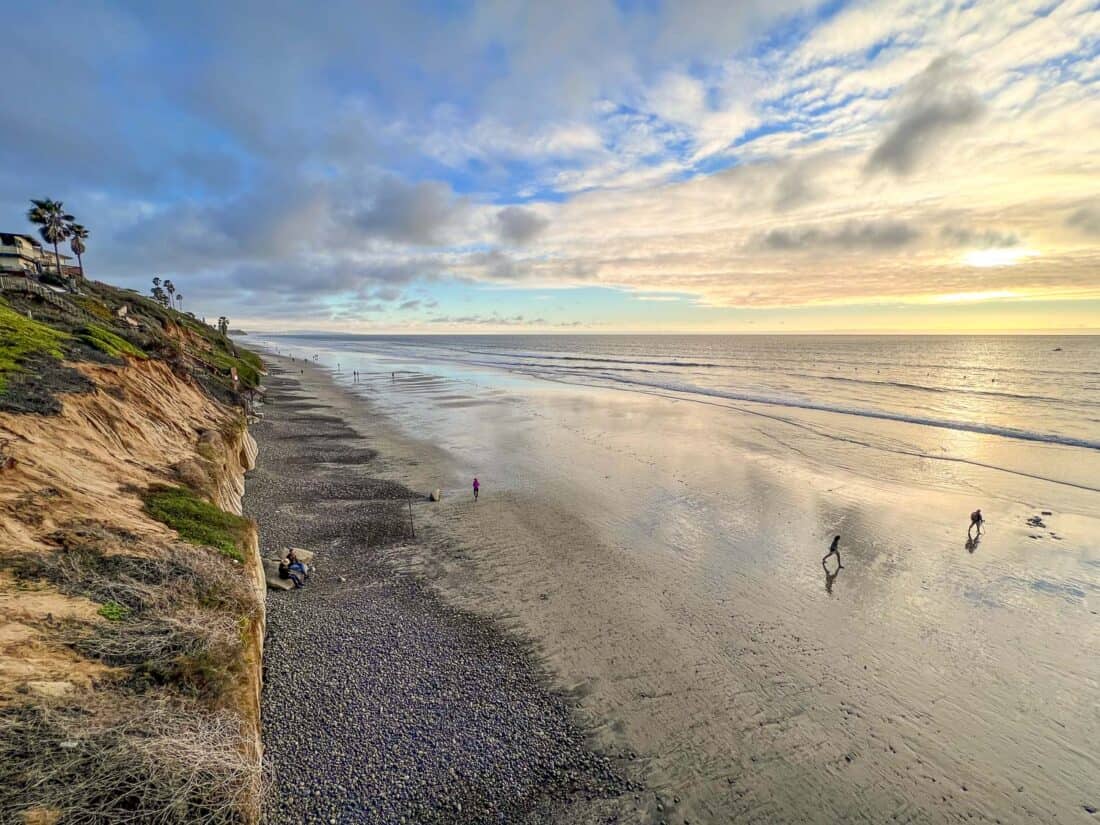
(23, 255)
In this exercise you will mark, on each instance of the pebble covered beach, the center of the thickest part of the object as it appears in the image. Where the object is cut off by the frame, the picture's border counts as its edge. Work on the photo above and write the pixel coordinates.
(382, 704)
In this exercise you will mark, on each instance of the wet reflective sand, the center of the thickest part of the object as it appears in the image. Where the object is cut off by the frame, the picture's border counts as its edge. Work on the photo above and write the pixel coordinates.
(666, 556)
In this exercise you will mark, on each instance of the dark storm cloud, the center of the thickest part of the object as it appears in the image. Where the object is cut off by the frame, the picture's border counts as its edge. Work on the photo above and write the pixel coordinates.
(936, 103)
(517, 225)
(852, 235)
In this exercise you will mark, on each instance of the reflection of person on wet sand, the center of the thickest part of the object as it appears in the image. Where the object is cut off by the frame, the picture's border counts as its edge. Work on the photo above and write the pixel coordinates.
(972, 542)
(830, 577)
(833, 551)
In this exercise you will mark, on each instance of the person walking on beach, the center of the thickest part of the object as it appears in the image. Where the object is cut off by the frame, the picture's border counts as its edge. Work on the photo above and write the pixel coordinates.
(833, 551)
(477, 487)
(976, 520)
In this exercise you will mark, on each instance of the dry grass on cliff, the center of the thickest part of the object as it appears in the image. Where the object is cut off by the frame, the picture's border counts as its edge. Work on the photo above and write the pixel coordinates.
(155, 741)
(176, 619)
(137, 761)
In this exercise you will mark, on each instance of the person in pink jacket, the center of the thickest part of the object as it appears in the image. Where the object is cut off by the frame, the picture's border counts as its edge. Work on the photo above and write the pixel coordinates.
(477, 486)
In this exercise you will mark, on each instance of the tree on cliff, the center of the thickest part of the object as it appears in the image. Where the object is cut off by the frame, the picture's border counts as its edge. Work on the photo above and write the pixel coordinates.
(223, 325)
(79, 234)
(53, 224)
(170, 288)
(158, 293)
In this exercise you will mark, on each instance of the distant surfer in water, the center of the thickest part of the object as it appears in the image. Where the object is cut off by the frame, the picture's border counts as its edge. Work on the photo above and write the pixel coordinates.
(477, 487)
(833, 551)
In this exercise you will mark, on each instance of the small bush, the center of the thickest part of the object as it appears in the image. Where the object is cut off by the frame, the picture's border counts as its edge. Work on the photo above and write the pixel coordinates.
(107, 342)
(113, 611)
(248, 370)
(21, 339)
(95, 307)
(198, 521)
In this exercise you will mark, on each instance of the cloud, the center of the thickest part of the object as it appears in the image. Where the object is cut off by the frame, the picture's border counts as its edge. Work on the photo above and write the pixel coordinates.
(415, 213)
(657, 148)
(494, 320)
(798, 183)
(936, 103)
(978, 238)
(1085, 219)
(517, 225)
(852, 235)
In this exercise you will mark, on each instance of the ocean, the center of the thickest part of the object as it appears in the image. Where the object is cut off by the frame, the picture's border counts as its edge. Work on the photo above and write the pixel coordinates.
(1038, 389)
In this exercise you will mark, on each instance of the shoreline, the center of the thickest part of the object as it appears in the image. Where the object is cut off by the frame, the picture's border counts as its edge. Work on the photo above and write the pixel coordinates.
(398, 706)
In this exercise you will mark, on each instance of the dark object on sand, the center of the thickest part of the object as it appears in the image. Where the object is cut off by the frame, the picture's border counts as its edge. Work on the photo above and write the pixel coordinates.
(477, 487)
(833, 551)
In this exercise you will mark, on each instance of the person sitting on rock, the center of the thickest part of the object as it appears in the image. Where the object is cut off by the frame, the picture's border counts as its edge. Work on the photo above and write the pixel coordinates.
(297, 564)
(287, 570)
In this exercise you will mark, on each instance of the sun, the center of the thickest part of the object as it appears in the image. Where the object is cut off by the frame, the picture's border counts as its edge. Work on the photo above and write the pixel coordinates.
(998, 257)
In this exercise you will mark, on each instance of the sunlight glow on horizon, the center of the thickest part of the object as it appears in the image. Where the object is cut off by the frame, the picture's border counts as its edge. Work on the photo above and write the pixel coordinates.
(983, 258)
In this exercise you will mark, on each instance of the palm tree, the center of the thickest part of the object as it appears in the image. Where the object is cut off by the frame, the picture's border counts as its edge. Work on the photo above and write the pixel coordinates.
(223, 325)
(179, 301)
(158, 293)
(52, 223)
(170, 288)
(78, 234)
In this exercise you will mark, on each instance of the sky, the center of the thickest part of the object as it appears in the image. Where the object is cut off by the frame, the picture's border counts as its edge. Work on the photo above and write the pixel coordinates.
(439, 167)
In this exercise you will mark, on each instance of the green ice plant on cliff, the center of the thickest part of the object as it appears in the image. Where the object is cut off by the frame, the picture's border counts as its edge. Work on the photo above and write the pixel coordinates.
(21, 338)
(198, 521)
(107, 342)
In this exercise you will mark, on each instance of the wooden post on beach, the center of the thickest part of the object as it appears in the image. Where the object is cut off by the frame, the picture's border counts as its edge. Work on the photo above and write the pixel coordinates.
(411, 525)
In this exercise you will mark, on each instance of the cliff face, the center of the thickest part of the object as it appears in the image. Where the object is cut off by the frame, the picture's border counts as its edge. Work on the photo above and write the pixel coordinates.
(106, 611)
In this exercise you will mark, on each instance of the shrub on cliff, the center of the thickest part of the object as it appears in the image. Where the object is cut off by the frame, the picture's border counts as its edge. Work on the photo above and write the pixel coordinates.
(198, 521)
